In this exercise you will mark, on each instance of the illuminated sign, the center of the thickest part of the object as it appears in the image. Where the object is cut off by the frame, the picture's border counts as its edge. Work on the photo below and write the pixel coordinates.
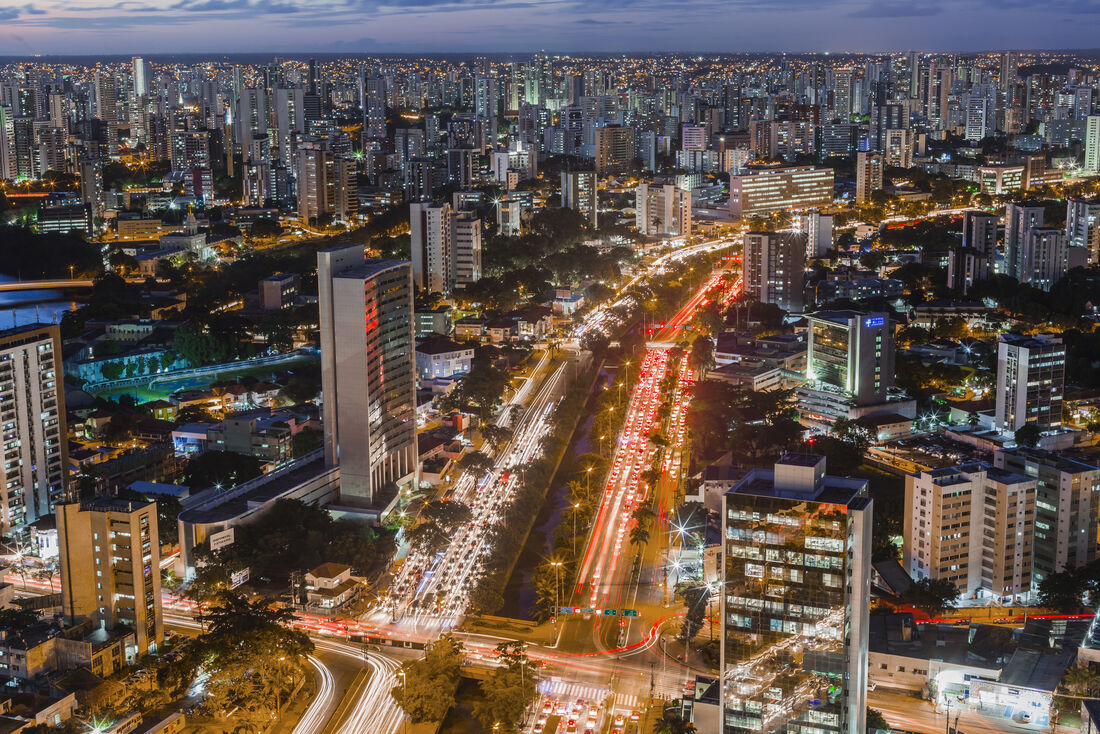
(874, 321)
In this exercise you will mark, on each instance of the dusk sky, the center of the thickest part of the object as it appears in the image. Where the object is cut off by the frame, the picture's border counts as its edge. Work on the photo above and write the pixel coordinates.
(365, 26)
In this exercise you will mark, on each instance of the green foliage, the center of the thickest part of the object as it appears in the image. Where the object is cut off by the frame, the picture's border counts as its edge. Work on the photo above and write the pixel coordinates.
(695, 597)
(253, 659)
(1028, 435)
(16, 619)
(427, 689)
(702, 354)
(932, 595)
(30, 256)
(483, 386)
(223, 468)
(294, 536)
(875, 720)
(672, 722)
(508, 690)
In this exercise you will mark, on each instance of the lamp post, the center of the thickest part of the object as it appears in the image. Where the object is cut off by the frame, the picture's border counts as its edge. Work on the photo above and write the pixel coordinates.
(404, 699)
(575, 508)
(556, 565)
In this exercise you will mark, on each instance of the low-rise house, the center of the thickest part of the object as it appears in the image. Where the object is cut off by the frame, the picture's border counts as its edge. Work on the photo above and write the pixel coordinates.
(330, 585)
(441, 357)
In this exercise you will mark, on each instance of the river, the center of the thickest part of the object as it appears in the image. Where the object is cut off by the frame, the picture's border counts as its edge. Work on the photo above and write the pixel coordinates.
(27, 307)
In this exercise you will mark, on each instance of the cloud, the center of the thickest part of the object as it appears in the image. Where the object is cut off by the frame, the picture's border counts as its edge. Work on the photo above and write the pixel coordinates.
(897, 9)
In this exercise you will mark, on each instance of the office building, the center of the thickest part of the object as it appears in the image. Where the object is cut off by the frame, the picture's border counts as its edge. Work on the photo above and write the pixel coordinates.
(849, 367)
(775, 268)
(1030, 381)
(662, 210)
(971, 525)
(465, 248)
(1092, 144)
(818, 228)
(693, 137)
(32, 409)
(1067, 508)
(1083, 227)
(869, 174)
(1019, 219)
(367, 373)
(578, 192)
(431, 242)
(815, 598)
(109, 550)
(761, 190)
(614, 148)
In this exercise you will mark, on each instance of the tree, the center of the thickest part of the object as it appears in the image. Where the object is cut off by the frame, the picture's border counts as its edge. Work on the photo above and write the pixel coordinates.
(427, 689)
(252, 657)
(1062, 591)
(220, 468)
(696, 597)
(475, 462)
(932, 595)
(483, 385)
(672, 722)
(1028, 434)
(701, 357)
(508, 690)
(875, 720)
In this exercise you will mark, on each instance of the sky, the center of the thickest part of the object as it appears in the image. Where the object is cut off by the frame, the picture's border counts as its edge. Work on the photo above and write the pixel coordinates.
(420, 26)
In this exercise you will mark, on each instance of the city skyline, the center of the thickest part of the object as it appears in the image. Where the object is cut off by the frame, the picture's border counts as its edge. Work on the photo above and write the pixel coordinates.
(376, 26)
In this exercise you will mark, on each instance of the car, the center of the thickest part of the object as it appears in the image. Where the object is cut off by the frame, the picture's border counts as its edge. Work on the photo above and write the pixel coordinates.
(619, 720)
(634, 716)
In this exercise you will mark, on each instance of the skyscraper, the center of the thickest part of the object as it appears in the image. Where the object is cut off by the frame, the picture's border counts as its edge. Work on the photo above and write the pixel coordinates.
(466, 248)
(1083, 226)
(141, 76)
(110, 567)
(869, 174)
(367, 372)
(1092, 144)
(796, 575)
(614, 148)
(775, 268)
(1030, 380)
(578, 192)
(431, 241)
(1019, 219)
(106, 108)
(32, 409)
(375, 88)
(662, 210)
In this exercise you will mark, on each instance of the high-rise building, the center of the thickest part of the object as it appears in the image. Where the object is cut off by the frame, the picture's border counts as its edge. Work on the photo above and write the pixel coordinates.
(973, 261)
(981, 112)
(842, 94)
(775, 268)
(869, 174)
(898, 147)
(980, 232)
(815, 598)
(109, 550)
(315, 181)
(1019, 218)
(1092, 144)
(290, 121)
(819, 233)
(140, 70)
(431, 242)
(693, 137)
(8, 168)
(106, 108)
(1006, 79)
(367, 372)
(662, 210)
(1030, 381)
(375, 107)
(851, 352)
(760, 190)
(91, 186)
(466, 248)
(32, 409)
(1067, 508)
(1043, 258)
(971, 525)
(578, 192)
(1083, 226)
(614, 148)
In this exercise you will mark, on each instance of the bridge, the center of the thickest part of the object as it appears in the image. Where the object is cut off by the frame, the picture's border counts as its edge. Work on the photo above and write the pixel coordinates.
(41, 285)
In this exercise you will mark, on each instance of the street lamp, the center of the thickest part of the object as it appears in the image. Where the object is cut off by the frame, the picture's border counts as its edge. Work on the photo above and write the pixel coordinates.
(404, 700)
(556, 565)
(575, 508)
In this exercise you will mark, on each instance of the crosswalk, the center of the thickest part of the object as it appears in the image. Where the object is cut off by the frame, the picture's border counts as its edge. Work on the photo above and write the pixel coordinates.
(569, 691)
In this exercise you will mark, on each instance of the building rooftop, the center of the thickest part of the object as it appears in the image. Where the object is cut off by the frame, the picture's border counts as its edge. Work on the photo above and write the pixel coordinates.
(105, 503)
(329, 570)
(440, 345)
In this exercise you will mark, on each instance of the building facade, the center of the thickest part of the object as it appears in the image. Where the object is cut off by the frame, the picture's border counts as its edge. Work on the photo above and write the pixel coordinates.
(367, 371)
(796, 569)
(763, 190)
(1030, 381)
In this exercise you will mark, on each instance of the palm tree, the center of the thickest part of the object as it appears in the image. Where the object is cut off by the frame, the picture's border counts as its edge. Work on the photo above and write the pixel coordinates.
(671, 722)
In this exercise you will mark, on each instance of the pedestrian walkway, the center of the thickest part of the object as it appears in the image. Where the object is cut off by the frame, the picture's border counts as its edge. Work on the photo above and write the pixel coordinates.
(567, 692)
